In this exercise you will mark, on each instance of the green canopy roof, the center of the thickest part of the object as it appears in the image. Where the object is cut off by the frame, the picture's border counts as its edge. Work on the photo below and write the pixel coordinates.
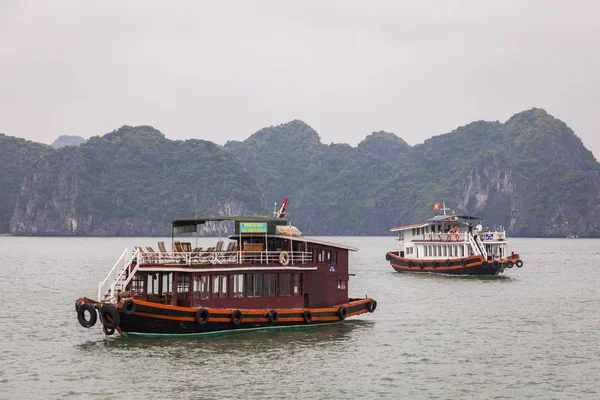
(190, 224)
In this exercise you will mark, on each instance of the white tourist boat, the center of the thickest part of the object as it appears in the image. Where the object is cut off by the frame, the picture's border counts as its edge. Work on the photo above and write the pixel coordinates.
(451, 244)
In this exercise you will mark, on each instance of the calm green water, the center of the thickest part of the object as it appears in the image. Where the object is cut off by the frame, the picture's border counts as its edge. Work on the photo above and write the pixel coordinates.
(531, 333)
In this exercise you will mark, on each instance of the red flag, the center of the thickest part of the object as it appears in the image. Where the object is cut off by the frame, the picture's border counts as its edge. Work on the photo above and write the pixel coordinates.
(281, 213)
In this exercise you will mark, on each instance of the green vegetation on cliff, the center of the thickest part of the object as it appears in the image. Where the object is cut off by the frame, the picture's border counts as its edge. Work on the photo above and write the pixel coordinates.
(133, 174)
(506, 173)
(17, 160)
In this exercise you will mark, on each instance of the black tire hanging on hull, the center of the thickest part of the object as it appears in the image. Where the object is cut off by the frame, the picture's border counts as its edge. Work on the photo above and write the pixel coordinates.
(110, 316)
(87, 323)
(372, 306)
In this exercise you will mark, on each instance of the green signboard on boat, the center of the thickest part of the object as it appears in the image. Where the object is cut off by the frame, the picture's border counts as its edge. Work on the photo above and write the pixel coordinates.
(253, 227)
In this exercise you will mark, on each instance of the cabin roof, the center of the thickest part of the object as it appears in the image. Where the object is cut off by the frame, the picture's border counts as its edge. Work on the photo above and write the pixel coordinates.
(187, 225)
(452, 218)
(405, 227)
(302, 239)
(437, 218)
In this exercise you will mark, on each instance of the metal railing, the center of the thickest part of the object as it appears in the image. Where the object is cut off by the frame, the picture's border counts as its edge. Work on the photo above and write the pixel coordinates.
(123, 265)
(223, 257)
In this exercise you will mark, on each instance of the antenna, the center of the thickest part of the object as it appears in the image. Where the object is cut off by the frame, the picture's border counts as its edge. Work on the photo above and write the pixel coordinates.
(444, 208)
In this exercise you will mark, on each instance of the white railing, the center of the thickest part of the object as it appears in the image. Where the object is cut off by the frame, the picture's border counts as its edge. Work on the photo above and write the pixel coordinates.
(122, 265)
(223, 257)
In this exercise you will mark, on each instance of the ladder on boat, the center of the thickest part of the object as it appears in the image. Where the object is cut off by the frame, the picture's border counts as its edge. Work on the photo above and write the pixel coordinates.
(119, 276)
(477, 247)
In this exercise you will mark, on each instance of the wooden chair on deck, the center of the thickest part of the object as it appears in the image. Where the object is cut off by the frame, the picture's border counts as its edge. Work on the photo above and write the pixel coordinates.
(162, 248)
(177, 247)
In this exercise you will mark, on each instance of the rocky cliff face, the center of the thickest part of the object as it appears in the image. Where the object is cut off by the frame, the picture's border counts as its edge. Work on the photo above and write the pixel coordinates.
(132, 182)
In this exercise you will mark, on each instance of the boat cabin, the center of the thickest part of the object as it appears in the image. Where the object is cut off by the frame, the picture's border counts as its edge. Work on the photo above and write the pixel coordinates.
(449, 236)
(264, 263)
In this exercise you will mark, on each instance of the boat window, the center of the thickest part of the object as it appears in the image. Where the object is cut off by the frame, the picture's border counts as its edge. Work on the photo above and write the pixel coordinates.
(183, 286)
(445, 251)
(296, 282)
(223, 286)
(331, 256)
(215, 287)
(269, 282)
(254, 285)
(201, 287)
(341, 284)
(284, 284)
(236, 285)
(137, 285)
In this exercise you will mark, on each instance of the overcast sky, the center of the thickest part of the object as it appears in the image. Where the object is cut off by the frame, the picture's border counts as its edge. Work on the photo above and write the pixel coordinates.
(223, 70)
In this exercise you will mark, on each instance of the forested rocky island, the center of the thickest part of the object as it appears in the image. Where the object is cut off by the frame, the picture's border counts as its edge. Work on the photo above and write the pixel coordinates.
(531, 174)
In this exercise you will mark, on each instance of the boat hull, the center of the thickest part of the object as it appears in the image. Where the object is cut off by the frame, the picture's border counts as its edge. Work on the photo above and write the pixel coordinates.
(154, 320)
(473, 265)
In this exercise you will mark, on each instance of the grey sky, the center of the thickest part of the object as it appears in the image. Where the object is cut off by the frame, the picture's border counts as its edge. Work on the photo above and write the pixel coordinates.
(222, 70)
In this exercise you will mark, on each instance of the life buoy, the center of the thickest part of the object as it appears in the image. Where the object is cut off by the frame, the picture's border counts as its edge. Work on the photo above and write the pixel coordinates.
(495, 263)
(110, 316)
(284, 258)
(387, 257)
(107, 331)
(509, 264)
(236, 317)
(87, 323)
(202, 315)
(342, 312)
(484, 263)
(129, 307)
(371, 306)
(519, 263)
(273, 317)
(307, 316)
(463, 262)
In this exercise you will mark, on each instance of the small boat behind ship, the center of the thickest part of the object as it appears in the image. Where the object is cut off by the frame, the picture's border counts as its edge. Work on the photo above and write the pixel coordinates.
(448, 244)
(268, 276)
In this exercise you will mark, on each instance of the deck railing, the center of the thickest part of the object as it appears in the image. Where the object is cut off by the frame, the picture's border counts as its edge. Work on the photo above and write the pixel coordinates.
(224, 257)
(462, 236)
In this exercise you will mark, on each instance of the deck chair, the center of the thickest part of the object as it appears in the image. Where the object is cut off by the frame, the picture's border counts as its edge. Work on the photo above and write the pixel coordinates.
(178, 247)
(219, 247)
(186, 246)
(161, 247)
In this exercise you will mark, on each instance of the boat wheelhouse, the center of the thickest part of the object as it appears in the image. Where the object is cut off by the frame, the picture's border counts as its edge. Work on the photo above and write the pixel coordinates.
(448, 244)
(267, 275)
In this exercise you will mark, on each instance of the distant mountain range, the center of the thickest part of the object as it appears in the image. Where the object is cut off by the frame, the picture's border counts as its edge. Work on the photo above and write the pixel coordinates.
(531, 174)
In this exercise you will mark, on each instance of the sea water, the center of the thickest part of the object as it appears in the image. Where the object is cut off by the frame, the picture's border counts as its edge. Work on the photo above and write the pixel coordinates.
(531, 333)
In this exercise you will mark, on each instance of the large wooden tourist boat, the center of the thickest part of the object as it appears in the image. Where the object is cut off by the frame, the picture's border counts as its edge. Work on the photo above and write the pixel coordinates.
(449, 244)
(268, 275)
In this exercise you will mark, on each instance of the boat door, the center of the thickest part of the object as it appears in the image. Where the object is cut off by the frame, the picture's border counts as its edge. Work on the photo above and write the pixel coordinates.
(305, 300)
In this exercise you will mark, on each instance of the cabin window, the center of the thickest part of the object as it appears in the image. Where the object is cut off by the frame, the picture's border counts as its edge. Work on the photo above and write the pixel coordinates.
(201, 287)
(413, 232)
(137, 285)
(269, 282)
(254, 285)
(284, 284)
(215, 287)
(223, 286)
(341, 284)
(296, 284)
(321, 256)
(183, 287)
(331, 256)
(439, 253)
(236, 285)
